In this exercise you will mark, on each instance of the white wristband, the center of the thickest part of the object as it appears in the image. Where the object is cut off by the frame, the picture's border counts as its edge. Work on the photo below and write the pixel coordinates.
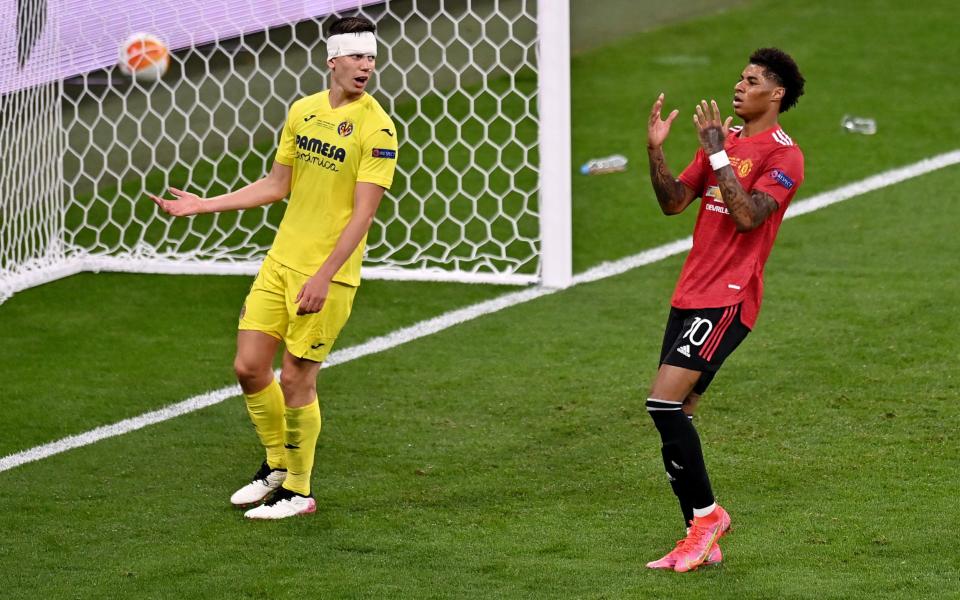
(718, 160)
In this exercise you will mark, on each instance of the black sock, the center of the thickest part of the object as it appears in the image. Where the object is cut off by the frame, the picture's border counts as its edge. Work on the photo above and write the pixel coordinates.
(682, 454)
(673, 475)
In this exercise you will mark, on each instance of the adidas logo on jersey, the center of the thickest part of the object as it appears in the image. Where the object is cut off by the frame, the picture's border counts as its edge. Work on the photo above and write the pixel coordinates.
(684, 350)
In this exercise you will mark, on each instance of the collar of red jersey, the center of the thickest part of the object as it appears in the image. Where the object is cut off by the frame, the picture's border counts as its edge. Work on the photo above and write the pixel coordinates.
(765, 134)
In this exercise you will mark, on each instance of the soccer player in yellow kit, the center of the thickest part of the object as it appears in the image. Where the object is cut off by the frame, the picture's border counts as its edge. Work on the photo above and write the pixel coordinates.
(337, 156)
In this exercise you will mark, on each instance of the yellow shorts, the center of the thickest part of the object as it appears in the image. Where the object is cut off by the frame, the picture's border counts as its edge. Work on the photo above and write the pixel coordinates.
(271, 307)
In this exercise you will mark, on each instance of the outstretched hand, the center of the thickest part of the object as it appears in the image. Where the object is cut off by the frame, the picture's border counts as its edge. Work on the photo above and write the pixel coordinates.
(186, 204)
(657, 128)
(710, 129)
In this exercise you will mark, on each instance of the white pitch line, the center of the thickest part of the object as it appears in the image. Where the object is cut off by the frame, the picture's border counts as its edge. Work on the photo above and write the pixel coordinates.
(462, 315)
(802, 207)
(870, 184)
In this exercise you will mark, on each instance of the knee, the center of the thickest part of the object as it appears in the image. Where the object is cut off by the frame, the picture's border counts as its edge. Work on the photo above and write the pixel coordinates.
(665, 414)
(690, 403)
(294, 380)
(249, 374)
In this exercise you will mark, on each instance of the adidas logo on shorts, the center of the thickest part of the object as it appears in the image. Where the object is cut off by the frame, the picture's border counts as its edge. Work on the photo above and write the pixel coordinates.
(684, 350)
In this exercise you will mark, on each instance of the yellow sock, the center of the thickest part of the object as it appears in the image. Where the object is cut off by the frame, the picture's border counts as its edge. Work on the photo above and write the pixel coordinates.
(266, 411)
(303, 428)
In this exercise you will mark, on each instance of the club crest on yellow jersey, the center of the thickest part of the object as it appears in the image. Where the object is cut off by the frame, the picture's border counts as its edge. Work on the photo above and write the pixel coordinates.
(345, 128)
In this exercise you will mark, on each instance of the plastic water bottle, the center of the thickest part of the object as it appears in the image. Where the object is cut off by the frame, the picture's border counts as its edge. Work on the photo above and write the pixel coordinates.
(608, 164)
(864, 125)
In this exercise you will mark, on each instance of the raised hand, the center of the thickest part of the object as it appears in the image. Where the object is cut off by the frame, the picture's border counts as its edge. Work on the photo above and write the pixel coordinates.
(710, 129)
(657, 128)
(186, 204)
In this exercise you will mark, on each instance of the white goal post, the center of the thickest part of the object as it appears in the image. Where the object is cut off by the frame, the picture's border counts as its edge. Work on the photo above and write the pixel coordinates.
(479, 90)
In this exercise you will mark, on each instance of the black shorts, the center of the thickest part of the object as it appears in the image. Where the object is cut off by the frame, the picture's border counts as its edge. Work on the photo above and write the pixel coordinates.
(700, 339)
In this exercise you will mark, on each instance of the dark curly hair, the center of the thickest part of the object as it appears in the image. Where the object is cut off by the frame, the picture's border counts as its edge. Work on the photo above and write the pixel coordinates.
(784, 70)
(351, 25)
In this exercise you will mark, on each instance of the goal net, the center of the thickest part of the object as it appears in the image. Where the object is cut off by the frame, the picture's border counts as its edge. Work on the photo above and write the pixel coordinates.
(463, 81)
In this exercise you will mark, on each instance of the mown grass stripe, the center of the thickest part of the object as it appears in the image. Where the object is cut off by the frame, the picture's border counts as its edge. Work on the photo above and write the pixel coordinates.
(462, 315)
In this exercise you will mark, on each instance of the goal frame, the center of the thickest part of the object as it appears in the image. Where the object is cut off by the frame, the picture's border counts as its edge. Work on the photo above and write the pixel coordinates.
(554, 191)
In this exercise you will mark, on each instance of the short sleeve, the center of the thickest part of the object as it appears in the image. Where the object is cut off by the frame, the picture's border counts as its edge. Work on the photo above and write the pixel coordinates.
(695, 175)
(287, 149)
(378, 158)
(782, 174)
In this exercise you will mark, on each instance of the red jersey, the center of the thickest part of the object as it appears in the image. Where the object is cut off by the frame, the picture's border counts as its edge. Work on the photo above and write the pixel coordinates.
(725, 267)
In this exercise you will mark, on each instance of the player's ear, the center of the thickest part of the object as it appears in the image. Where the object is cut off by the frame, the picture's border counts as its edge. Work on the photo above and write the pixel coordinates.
(778, 93)
(331, 65)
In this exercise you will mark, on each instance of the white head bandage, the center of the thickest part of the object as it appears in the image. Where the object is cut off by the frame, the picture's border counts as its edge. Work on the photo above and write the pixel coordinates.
(348, 44)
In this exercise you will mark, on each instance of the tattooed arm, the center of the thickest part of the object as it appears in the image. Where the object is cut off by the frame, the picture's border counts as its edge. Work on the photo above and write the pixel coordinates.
(672, 195)
(748, 209)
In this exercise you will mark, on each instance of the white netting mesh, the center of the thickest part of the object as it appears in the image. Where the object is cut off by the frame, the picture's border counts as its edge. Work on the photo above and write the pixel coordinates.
(31, 143)
(458, 78)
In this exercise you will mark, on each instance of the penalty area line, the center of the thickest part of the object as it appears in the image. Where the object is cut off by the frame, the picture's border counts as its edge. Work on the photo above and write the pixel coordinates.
(462, 315)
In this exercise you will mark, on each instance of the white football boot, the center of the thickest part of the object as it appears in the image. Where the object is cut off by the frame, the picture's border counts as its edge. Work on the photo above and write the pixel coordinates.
(284, 503)
(263, 483)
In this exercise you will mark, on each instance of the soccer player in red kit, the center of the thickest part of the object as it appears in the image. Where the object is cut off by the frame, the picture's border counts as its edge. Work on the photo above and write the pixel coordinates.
(746, 177)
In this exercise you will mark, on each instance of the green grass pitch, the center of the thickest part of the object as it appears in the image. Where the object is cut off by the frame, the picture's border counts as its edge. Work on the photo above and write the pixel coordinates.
(511, 457)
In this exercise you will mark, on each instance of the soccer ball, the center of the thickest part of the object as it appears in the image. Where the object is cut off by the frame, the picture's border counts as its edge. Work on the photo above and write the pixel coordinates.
(144, 57)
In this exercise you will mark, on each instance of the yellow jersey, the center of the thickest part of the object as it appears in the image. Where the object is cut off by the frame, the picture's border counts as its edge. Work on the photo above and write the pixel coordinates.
(330, 150)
